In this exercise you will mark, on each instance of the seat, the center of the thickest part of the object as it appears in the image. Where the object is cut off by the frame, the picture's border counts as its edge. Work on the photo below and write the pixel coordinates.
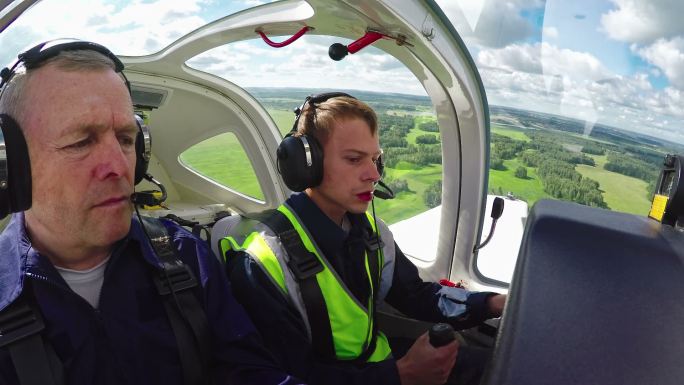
(221, 230)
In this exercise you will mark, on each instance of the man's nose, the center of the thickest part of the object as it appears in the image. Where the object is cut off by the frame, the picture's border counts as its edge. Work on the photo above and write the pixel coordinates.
(113, 160)
(372, 172)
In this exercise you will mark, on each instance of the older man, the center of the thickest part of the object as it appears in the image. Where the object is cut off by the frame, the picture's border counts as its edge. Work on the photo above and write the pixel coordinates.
(76, 259)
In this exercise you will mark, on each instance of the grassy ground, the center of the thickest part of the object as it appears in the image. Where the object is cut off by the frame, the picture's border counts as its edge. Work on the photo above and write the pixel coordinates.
(223, 159)
(621, 193)
(284, 119)
(408, 204)
(600, 160)
(510, 132)
(529, 190)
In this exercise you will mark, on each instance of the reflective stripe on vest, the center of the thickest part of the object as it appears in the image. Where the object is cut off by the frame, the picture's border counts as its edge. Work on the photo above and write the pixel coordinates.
(255, 245)
(346, 314)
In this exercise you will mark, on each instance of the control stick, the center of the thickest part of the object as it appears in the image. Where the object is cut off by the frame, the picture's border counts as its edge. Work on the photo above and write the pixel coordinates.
(441, 334)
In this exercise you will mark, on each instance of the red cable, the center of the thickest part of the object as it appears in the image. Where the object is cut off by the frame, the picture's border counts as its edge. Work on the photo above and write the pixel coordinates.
(286, 42)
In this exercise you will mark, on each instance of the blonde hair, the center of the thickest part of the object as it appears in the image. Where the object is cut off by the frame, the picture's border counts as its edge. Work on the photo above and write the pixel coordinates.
(318, 121)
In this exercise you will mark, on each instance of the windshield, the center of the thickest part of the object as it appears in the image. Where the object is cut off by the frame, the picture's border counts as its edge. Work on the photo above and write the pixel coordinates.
(126, 27)
(601, 80)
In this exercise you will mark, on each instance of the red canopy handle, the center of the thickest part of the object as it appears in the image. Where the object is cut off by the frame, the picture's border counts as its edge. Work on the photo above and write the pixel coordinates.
(286, 42)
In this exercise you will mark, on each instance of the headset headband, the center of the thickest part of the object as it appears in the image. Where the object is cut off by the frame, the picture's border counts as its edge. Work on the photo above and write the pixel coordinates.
(37, 55)
(312, 100)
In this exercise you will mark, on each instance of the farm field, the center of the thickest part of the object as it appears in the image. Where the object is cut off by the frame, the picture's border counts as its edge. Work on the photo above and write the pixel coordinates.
(621, 192)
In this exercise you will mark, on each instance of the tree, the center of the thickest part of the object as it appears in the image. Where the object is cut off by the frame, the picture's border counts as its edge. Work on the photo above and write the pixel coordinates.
(397, 185)
(521, 172)
(427, 139)
(430, 126)
(433, 194)
(496, 164)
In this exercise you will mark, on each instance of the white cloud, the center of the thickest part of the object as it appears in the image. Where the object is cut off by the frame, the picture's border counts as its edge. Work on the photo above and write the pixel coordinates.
(542, 77)
(550, 33)
(544, 58)
(305, 63)
(668, 56)
(654, 31)
(638, 21)
(253, 3)
(135, 29)
(498, 24)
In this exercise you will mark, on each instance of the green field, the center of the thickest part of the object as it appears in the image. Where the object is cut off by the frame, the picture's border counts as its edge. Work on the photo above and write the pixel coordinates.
(223, 160)
(284, 119)
(408, 204)
(529, 190)
(510, 132)
(620, 192)
(505, 181)
(600, 160)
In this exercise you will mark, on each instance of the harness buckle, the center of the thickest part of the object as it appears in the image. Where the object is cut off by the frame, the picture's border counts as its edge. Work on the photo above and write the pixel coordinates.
(304, 264)
(180, 278)
(17, 321)
(373, 243)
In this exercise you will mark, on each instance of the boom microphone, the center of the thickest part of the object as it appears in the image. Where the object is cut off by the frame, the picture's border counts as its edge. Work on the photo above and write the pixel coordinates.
(146, 198)
(388, 194)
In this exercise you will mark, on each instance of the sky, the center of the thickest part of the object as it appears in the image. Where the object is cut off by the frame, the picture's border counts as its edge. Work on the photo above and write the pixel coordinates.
(614, 62)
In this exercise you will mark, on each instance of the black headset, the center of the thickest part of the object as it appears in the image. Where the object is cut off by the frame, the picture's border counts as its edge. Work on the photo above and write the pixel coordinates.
(300, 158)
(15, 166)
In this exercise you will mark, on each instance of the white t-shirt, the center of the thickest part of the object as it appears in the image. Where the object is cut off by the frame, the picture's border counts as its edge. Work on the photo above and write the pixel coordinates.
(86, 283)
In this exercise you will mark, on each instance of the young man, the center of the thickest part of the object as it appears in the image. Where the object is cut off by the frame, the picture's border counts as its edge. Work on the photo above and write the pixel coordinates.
(311, 274)
(79, 261)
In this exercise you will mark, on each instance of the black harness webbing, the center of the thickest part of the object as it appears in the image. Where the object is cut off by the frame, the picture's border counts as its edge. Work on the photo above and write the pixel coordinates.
(187, 317)
(35, 361)
(373, 245)
(305, 266)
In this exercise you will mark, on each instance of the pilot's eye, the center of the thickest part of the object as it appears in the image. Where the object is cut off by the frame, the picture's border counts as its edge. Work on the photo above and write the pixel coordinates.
(127, 141)
(353, 159)
(80, 145)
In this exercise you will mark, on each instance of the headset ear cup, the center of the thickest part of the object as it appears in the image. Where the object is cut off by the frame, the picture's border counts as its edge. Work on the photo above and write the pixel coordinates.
(16, 195)
(317, 161)
(141, 159)
(293, 165)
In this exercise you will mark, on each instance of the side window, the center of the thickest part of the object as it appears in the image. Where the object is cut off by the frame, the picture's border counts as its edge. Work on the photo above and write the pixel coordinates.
(223, 160)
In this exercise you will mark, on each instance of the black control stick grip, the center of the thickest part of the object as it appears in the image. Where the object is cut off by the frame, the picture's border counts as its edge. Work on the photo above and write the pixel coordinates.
(441, 334)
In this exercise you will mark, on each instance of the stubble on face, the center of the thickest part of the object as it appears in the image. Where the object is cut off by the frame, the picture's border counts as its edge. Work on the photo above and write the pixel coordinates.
(78, 194)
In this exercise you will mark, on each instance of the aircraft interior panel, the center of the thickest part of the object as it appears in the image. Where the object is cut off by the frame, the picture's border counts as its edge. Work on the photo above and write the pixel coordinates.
(593, 289)
(193, 113)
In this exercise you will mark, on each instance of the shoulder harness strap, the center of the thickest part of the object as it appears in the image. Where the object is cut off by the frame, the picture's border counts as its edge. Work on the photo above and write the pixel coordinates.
(304, 265)
(188, 320)
(373, 245)
(21, 324)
